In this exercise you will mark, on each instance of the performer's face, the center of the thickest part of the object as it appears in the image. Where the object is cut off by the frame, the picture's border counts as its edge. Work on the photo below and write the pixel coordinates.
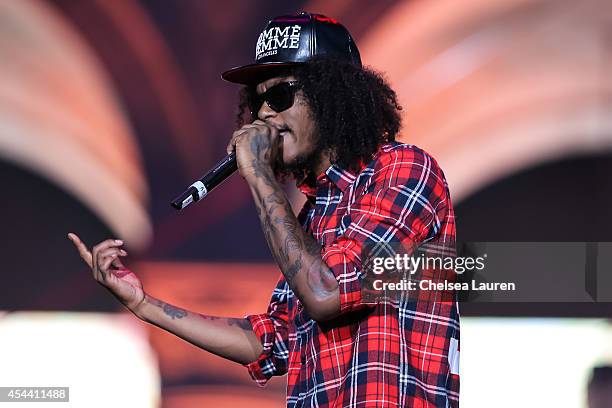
(296, 126)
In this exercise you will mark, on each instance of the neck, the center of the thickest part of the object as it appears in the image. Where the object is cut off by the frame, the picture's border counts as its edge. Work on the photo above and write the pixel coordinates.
(315, 169)
(322, 164)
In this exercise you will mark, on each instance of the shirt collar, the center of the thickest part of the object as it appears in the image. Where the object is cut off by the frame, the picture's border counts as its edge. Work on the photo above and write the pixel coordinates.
(339, 177)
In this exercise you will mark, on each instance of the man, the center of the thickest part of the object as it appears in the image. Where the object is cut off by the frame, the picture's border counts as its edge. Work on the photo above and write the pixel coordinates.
(313, 113)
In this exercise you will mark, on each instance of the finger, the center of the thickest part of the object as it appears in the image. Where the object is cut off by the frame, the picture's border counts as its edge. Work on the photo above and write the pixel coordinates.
(102, 246)
(242, 144)
(239, 141)
(80, 246)
(230, 146)
(109, 262)
(114, 252)
(117, 264)
(232, 143)
(259, 122)
(273, 131)
(111, 250)
(105, 264)
(107, 244)
(255, 124)
(262, 128)
(240, 131)
(259, 126)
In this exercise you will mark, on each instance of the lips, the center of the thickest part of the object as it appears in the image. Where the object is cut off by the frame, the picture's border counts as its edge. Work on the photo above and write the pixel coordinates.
(283, 132)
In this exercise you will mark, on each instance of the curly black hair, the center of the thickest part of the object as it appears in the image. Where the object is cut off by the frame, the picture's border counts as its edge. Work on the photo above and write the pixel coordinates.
(353, 107)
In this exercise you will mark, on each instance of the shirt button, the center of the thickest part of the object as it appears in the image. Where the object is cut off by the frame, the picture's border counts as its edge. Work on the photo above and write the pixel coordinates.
(303, 359)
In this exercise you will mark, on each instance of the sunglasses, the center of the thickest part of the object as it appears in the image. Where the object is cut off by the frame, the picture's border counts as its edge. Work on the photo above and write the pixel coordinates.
(279, 97)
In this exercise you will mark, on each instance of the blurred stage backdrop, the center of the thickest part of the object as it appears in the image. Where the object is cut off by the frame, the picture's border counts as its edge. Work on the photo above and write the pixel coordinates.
(110, 108)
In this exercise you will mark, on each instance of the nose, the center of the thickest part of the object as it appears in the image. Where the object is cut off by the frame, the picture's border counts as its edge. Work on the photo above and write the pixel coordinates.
(265, 112)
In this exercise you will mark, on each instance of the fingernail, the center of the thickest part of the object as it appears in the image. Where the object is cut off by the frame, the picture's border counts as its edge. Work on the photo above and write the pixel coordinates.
(118, 241)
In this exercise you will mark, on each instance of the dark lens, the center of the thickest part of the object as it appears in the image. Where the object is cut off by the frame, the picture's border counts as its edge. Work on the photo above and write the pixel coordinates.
(279, 97)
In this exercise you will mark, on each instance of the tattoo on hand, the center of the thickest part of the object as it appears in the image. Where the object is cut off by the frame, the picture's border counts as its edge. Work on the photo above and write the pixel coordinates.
(262, 150)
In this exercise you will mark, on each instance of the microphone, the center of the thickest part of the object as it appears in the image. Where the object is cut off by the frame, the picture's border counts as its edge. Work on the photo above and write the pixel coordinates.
(202, 187)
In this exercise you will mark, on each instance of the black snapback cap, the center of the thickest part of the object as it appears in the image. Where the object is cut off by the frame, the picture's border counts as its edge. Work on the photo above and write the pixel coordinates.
(294, 39)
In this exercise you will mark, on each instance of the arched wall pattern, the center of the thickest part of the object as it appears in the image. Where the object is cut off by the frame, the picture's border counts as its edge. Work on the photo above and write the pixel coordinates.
(60, 118)
(490, 88)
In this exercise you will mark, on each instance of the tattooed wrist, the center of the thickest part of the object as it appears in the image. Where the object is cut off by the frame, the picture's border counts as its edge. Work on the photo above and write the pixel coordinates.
(173, 312)
(262, 173)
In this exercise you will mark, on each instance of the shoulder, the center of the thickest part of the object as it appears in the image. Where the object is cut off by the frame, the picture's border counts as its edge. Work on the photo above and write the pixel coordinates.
(398, 163)
(401, 154)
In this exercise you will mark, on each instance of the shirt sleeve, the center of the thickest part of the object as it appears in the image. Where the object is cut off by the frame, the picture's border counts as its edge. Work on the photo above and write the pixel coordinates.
(402, 203)
(271, 329)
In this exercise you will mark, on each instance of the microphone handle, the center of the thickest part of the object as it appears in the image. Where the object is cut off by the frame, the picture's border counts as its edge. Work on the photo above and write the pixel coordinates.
(207, 183)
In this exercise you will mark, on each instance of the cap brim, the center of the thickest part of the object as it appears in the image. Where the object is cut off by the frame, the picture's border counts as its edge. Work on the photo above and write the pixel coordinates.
(255, 73)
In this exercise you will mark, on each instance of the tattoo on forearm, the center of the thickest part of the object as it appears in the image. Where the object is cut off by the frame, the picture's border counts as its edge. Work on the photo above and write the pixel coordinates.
(292, 270)
(274, 199)
(260, 172)
(312, 246)
(172, 311)
(323, 276)
(290, 244)
(178, 313)
(244, 324)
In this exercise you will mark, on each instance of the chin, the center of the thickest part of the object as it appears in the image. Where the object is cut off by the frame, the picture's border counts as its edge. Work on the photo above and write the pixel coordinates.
(297, 162)
(290, 159)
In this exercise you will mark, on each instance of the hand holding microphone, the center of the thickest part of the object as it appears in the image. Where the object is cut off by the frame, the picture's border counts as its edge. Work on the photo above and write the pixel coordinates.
(253, 149)
(257, 146)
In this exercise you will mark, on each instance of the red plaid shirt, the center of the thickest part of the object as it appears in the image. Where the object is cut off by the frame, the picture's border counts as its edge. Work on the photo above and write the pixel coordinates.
(375, 354)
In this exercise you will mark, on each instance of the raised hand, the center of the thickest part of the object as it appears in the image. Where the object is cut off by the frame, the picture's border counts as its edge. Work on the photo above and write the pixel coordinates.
(108, 270)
